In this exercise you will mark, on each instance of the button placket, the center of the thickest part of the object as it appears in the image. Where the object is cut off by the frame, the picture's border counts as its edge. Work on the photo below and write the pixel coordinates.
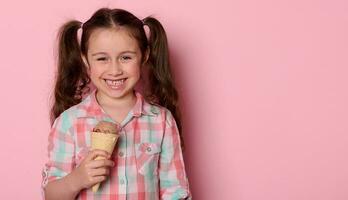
(121, 152)
(122, 148)
(122, 185)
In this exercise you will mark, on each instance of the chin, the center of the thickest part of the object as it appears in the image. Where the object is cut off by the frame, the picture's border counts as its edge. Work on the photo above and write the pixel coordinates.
(119, 94)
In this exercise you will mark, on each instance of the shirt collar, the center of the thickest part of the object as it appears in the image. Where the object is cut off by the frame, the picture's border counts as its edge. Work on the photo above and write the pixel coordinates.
(141, 107)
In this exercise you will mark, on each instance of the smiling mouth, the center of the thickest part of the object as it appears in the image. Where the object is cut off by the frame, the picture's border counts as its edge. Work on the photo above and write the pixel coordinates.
(115, 83)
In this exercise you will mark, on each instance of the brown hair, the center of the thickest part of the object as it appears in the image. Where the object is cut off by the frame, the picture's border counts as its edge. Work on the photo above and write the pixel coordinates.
(72, 79)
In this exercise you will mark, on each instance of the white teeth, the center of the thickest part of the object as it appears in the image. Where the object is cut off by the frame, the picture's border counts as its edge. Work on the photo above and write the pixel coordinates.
(115, 82)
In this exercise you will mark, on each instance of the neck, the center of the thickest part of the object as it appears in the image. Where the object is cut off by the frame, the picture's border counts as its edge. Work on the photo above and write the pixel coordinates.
(127, 101)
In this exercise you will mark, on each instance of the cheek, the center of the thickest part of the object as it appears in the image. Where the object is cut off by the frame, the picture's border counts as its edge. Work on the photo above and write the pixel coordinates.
(136, 72)
(95, 72)
(134, 69)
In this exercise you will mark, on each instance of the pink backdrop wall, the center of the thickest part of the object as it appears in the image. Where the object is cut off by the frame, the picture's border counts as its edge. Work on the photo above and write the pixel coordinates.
(263, 87)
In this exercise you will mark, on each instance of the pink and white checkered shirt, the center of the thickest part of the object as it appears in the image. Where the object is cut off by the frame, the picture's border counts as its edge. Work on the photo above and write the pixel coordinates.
(148, 158)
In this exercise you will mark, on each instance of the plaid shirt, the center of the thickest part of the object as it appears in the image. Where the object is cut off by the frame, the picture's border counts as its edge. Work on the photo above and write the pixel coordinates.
(148, 157)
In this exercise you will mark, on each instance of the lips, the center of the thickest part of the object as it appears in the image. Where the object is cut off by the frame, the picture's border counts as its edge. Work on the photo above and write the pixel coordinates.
(115, 84)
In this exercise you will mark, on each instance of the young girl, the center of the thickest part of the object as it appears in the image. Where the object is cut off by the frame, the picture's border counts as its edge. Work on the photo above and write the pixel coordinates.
(115, 54)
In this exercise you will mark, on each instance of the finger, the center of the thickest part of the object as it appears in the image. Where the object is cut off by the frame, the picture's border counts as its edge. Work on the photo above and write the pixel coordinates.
(101, 163)
(100, 172)
(95, 153)
(97, 179)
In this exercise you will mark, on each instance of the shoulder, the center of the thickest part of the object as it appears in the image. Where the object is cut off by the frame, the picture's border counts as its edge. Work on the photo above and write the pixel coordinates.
(67, 118)
(159, 111)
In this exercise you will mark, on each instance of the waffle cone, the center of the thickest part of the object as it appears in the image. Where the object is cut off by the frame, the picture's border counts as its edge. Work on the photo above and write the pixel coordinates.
(103, 141)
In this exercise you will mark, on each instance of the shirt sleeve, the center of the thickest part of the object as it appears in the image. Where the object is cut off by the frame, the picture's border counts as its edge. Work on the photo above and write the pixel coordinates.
(61, 150)
(174, 183)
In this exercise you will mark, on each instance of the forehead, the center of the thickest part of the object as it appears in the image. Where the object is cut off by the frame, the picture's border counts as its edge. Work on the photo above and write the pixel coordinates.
(111, 40)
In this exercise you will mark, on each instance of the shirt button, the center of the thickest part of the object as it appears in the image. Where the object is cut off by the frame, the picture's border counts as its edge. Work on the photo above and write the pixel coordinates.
(121, 154)
(121, 181)
(148, 149)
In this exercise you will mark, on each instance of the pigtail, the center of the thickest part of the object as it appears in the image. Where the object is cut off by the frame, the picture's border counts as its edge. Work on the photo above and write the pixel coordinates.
(162, 88)
(71, 77)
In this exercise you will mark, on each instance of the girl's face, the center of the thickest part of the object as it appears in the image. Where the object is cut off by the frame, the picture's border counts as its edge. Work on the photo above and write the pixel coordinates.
(114, 61)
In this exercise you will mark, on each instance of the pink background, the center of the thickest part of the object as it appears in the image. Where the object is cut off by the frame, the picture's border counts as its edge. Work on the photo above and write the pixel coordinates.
(263, 88)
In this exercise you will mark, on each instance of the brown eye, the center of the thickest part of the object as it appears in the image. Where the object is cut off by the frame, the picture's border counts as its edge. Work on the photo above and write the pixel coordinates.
(125, 58)
(102, 59)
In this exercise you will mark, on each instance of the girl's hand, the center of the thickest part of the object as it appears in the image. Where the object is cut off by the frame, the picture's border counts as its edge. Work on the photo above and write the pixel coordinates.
(90, 171)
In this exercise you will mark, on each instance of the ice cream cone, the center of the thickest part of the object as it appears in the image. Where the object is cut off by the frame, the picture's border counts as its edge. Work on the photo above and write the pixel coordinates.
(103, 141)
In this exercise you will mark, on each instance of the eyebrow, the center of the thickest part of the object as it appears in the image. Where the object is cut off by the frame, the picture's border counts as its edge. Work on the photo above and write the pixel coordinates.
(103, 53)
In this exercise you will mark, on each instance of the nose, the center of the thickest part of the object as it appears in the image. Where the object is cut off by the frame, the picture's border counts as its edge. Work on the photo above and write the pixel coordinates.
(115, 68)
